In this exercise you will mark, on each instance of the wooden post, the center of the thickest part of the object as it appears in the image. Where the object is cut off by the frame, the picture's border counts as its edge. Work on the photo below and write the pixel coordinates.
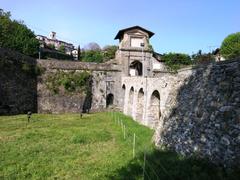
(134, 144)
(121, 125)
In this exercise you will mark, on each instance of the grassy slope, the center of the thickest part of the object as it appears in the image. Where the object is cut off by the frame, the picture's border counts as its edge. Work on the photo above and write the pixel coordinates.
(67, 147)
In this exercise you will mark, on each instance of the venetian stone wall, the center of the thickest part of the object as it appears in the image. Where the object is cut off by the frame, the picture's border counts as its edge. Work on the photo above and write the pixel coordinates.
(75, 103)
(202, 114)
(194, 111)
(18, 83)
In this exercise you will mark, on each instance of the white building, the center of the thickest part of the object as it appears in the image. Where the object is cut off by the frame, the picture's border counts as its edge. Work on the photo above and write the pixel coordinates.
(52, 40)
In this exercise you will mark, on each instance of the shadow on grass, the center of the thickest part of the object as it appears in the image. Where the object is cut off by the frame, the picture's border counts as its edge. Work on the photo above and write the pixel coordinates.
(170, 165)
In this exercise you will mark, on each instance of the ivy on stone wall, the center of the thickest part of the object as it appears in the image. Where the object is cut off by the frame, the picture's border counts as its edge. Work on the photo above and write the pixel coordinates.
(68, 82)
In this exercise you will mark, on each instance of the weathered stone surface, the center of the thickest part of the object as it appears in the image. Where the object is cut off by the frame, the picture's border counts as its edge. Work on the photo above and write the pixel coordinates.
(194, 111)
(209, 108)
(18, 86)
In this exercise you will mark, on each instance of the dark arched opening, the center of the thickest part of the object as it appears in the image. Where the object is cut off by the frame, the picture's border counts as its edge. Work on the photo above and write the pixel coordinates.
(136, 68)
(109, 99)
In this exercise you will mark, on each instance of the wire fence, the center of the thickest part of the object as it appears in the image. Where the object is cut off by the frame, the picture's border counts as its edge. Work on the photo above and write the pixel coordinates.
(150, 170)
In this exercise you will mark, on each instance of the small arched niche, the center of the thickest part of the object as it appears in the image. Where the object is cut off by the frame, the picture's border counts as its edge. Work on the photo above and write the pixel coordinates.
(109, 100)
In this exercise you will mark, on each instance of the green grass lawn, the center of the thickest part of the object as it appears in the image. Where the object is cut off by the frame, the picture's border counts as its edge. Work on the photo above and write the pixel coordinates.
(66, 146)
(93, 147)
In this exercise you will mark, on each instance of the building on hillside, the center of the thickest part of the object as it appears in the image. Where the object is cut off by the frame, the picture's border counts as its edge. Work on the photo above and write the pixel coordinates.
(57, 44)
(75, 54)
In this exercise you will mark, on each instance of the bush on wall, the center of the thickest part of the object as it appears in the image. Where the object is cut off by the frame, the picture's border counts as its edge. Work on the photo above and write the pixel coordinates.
(72, 82)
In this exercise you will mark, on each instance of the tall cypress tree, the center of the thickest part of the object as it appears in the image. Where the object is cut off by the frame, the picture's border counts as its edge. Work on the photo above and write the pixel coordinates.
(79, 53)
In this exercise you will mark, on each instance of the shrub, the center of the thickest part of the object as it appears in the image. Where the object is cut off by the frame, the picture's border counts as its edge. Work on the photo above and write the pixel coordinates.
(203, 58)
(175, 61)
(92, 56)
(76, 82)
(109, 52)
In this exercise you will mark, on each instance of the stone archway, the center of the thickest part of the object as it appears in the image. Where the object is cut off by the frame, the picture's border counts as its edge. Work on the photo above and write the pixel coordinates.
(140, 105)
(130, 101)
(154, 112)
(109, 100)
(136, 68)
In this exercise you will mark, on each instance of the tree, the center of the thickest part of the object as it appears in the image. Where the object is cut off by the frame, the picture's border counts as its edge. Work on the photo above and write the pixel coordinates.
(109, 52)
(230, 47)
(93, 56)
(79, 53)
(15, 35)
(176, 60)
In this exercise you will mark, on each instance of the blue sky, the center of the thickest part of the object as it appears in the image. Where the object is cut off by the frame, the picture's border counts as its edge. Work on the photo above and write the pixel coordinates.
(179, 25)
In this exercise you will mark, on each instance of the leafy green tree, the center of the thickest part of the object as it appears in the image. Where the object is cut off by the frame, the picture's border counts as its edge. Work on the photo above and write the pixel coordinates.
(230, 47)
(174, 61)
(109, 52)
(15, 35)
(92, 56)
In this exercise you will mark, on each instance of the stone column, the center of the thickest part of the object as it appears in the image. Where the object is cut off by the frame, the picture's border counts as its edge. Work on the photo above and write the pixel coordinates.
(134, 105)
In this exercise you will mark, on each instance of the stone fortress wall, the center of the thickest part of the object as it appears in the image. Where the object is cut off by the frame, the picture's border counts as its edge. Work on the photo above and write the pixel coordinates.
(18, 83)
(55, 103)
(194, 111)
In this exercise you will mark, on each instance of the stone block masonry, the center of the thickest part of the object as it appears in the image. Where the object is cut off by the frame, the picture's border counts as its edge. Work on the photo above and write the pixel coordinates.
(195, 111)
(203, 114)
(49, 102)
(18, 83)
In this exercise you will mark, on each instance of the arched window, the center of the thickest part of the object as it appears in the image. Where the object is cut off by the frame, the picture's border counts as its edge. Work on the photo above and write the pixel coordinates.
(136, 68)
